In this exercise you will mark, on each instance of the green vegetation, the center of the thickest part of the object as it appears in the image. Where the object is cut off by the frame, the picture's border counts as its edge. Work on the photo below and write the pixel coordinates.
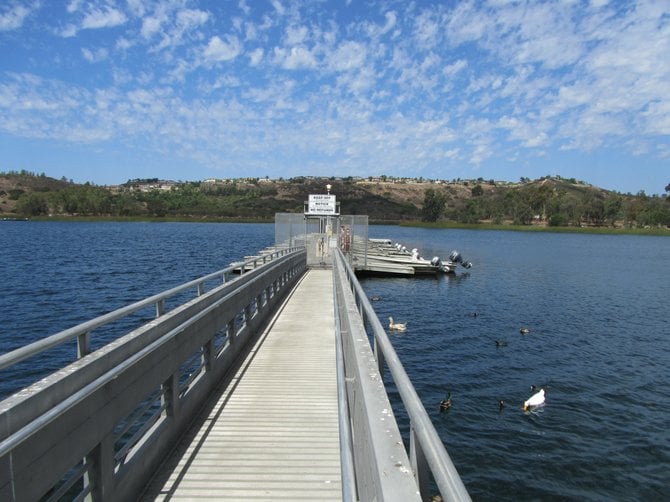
(433, 205)
(550, 203)
(554, 202)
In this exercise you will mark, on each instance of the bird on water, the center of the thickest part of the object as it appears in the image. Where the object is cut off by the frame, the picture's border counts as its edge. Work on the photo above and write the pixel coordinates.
(446, 403)
(536, 399)
(396, 326)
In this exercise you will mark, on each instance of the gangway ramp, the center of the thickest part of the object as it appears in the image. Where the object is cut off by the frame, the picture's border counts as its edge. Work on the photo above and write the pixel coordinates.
(272, 432)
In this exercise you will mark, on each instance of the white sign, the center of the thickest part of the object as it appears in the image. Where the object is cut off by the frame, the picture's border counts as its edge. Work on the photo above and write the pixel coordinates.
(321, 204)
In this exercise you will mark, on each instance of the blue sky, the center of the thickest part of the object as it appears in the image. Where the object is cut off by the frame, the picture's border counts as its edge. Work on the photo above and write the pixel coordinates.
(105, 91)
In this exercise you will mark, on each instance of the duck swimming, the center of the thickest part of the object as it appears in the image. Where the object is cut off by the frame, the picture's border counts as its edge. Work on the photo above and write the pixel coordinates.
(396, 326)
(446, 403)
(524, 331)
(536, 399)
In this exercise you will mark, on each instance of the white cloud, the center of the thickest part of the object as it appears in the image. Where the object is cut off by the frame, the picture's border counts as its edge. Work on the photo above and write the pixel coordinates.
(103, 18)
(13, 16)
(426, 30)
(373, 30)
(480, 153)
(174, 26)
(278, 7)
(151, 26)
(124, 43)
(527, 132)
(256, 56)
(189, 19)
(95, 56)
(74, 5)
(349, 55)
(391, 19)
(250, 31)
(468, 24)
(222, 50)
(137, 7)
(244, 7)
(455, 67)
(294, 58)
(68, 31)
(296, 35)
(657, 118)
(359, 81)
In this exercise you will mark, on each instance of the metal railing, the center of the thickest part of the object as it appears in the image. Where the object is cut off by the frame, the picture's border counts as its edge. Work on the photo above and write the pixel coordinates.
(427, 456)
(82, 332)
(98, 428)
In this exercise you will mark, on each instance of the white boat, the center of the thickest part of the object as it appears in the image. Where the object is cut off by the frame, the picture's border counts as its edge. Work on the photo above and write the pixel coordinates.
(380, 256)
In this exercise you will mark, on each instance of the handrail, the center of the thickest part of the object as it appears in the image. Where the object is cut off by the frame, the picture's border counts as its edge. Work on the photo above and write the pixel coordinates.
(438, 461)
(18, 437)
(346, 446)
(84, 329)
(98, 434)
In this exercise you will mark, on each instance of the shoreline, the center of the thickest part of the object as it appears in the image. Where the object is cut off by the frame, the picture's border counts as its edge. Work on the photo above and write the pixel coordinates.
(663, 232)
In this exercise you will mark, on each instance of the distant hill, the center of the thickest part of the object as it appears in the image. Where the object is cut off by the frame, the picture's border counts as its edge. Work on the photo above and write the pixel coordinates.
(550, 200)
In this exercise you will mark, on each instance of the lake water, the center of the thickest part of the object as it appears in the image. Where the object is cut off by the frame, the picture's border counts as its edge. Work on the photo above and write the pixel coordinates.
(598, 310)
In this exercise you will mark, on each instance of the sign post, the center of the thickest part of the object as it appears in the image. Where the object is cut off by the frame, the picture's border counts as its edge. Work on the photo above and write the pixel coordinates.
(324, 209)
(322, 205)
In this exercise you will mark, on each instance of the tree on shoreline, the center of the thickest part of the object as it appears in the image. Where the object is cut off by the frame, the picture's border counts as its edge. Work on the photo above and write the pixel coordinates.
(433, 205)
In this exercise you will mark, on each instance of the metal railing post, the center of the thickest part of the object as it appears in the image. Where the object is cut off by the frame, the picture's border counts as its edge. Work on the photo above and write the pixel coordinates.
(160, 307)
(418, 461)
(170, 394)
(99, 466)
(83, 344)
(207, 351)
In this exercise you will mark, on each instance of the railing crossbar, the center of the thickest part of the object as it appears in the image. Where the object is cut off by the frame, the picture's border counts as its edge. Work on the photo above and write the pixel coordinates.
(135, 416)
(62, 490)
(157, 300)
(132, 441)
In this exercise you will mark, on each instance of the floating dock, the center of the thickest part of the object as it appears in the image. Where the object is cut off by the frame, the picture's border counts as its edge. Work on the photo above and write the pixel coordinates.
(378, 257)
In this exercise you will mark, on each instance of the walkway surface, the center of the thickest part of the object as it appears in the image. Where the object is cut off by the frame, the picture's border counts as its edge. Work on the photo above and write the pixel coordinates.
(273, 433)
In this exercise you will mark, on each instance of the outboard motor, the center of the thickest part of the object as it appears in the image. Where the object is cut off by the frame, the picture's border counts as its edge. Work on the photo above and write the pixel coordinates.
(456, 257)
(435, 262)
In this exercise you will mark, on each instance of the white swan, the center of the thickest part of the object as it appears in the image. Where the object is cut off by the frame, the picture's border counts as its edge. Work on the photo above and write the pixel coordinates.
(396, 326)
(536, 399)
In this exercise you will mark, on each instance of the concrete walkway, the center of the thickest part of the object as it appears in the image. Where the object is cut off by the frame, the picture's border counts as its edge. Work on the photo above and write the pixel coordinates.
(273, 434)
